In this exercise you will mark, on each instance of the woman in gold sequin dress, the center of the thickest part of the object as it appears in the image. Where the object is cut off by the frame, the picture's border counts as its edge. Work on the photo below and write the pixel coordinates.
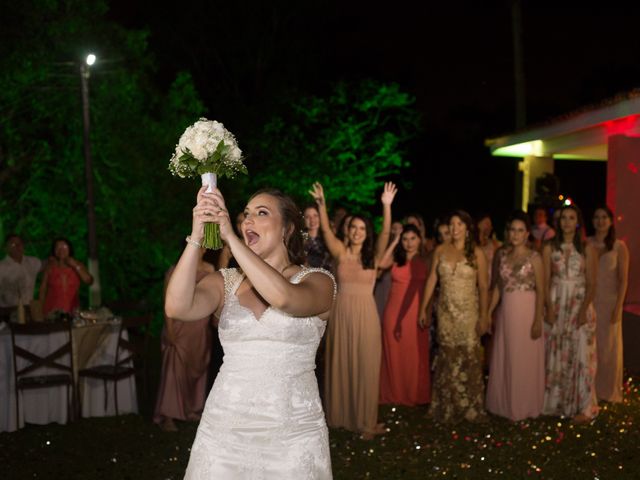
(461, 269)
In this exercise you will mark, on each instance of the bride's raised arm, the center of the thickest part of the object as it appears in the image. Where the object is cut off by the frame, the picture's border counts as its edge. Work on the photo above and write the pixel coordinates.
(185, 299)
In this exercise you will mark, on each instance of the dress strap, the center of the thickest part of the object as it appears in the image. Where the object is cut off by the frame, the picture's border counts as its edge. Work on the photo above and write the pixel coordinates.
(232, 278)
(297, 278)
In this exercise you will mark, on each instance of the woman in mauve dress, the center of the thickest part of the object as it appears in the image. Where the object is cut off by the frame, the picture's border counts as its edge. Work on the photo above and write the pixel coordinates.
(611, 287)
(516, 372)
(186, 351)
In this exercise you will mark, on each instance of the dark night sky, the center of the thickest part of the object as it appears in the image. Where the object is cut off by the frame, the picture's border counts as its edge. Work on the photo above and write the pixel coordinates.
(456, 58)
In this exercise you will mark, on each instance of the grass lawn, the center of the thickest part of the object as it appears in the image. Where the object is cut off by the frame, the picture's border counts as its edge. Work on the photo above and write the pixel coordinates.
(131, 447)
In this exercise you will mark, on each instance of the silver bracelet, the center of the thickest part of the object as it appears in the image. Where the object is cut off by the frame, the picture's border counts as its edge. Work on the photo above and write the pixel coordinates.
(192, 242)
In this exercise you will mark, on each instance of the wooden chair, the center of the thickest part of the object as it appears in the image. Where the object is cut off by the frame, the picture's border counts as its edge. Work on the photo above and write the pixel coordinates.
(130, 358)
(24, 376)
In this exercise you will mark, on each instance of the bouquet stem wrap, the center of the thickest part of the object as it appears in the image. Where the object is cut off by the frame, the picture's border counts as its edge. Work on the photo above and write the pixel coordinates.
(212, 238)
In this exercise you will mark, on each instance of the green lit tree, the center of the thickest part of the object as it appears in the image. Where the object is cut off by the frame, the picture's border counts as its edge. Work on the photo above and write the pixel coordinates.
(140, 207)
(350, 140)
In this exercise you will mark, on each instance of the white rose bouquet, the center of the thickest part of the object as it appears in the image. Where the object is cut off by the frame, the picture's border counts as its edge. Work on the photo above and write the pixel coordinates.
(207, 149)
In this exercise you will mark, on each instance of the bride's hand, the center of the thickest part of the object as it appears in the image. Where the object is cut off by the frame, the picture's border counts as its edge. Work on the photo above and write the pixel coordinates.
(210, 209)
(221, 215)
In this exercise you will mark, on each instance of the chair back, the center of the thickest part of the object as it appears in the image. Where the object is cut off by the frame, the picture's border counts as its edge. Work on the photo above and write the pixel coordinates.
(32, 359)
(135, 347)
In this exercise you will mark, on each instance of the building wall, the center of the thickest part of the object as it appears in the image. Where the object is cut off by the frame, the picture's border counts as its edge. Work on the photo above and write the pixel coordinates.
(623, 197)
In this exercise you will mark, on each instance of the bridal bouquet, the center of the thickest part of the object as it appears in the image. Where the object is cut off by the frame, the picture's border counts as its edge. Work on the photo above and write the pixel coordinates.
(207, 149)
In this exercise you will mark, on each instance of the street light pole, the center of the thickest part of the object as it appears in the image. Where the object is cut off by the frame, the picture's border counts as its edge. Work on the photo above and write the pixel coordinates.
(94, 291)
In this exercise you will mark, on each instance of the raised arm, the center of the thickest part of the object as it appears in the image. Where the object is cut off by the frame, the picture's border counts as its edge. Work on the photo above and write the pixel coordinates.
(184, 298)
(423, 318)
(388, 194)
(623, 280)
(312, 296)
(591, 272)
(387, 258)
(334, 245)
(550, 312)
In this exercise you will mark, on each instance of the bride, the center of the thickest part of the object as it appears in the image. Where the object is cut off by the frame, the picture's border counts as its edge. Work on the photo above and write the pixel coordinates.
(263, 418)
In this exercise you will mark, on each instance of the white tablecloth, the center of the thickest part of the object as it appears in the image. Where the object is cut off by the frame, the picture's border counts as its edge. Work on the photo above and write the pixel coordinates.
(46, 405)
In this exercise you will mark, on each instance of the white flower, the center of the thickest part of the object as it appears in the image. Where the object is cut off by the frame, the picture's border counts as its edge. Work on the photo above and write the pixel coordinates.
(199, 142)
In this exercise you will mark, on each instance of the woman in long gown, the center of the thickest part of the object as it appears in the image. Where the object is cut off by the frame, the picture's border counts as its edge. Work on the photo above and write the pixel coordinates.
(570, 273)
(353, 349)
(461, 268)
(404, 344)
(263, 418)
(516, 372)
(186, 351)
(611, 288)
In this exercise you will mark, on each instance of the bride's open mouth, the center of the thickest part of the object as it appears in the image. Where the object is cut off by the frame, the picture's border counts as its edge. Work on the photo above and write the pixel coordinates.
(251, 237)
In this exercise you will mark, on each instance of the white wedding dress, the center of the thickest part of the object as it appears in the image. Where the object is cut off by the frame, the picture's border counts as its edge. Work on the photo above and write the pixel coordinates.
(263, 419)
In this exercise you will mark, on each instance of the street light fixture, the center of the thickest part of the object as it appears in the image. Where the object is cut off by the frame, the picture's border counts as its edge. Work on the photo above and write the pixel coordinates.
(94, 291)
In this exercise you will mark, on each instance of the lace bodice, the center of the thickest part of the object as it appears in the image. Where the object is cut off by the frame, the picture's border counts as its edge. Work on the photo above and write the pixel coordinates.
(458, 303)
(517, 275)
(276, 342)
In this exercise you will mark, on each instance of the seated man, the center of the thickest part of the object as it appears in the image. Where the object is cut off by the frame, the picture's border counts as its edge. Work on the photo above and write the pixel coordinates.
(18, 274)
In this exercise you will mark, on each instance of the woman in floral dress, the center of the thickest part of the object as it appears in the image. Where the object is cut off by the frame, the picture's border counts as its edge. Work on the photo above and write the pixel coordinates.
(570, 271)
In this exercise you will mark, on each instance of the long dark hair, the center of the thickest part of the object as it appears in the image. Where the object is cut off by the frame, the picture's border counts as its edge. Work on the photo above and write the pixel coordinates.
(399, 253)
(367, 255)
(578, 241)
(340, 226)
(610, 239)
(292, 221)
(470, 239)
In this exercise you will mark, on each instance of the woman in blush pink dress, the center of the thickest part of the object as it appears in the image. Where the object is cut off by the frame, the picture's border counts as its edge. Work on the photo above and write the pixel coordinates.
(611, 287)
(404, 375)
(570, 275)
(186, 351)
(353, 348)
(516, 372)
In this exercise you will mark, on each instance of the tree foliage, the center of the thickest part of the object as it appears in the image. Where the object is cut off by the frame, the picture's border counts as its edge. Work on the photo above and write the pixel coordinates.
(349, 140)
(140, 207)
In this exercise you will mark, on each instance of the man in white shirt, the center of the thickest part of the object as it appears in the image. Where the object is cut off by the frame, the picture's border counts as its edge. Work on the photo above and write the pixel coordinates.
(18, 273)
(541, 231)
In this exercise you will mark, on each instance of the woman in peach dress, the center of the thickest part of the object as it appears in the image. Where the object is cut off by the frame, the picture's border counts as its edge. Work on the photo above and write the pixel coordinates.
(516, 372)
(611, 287)
(404, 376)
(353, 348)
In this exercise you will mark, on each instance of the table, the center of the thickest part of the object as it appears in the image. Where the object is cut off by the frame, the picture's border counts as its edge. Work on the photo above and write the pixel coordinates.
(93, 344)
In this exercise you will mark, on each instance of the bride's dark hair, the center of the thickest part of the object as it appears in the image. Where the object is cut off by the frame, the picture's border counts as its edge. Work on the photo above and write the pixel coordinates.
(293, 223)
